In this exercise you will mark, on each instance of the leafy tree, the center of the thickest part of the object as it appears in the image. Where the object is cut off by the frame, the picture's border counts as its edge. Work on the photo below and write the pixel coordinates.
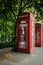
(18, 6)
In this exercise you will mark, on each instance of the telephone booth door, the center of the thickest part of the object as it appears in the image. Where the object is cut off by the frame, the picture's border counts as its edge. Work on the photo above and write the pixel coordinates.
(22, 35)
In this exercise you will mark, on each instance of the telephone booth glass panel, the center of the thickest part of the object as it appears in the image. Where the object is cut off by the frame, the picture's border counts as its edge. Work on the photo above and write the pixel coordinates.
(22, 43)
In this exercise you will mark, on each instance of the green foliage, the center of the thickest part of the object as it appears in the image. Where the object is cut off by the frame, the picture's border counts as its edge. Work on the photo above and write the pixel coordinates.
(6, 31)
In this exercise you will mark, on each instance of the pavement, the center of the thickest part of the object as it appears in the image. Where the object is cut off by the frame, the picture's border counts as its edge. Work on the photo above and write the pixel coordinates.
(9, 57)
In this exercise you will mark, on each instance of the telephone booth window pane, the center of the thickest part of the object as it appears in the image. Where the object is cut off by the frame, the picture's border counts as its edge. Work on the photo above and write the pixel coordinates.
(22, 43)
(37, 37)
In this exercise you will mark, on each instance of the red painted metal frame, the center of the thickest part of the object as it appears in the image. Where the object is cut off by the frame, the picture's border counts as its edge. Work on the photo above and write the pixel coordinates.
(29, 18)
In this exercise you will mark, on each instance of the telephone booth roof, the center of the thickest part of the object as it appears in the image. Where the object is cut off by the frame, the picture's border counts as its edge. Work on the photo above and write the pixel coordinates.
(26, 14)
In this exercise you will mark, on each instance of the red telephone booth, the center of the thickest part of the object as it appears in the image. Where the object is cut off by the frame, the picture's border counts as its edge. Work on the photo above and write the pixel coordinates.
(25, 32)
(39, 34)
(42, 34)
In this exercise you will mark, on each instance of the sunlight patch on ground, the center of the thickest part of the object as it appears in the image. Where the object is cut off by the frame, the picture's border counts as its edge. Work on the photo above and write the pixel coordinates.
(9, 55)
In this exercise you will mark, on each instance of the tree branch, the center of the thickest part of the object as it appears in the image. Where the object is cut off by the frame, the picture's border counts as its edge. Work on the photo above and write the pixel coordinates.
(11, 9)
(26, 7)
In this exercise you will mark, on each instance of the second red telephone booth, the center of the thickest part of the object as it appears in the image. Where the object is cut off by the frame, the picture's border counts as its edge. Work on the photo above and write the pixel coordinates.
(39, 34)
(25, 32)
